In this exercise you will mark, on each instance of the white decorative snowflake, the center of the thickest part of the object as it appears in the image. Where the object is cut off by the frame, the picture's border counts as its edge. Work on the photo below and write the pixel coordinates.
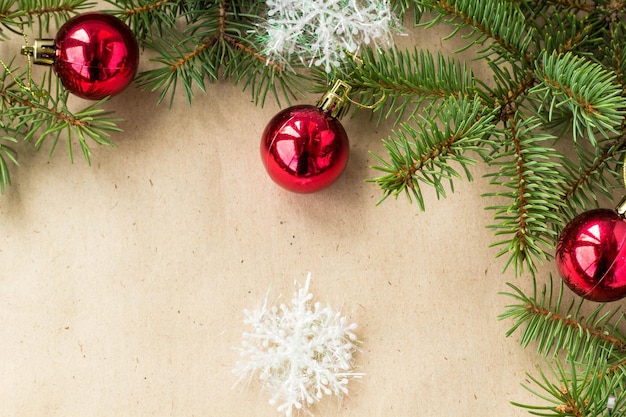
(321, 32)
(299, 352)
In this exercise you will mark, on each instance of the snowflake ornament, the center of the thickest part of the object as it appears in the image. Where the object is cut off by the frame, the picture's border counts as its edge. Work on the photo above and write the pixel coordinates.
(300, 351)
(321, 32)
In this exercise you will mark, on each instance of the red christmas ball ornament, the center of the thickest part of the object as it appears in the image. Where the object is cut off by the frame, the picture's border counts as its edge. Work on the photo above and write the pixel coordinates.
(591, 255)
(94, 54)
(305, 148)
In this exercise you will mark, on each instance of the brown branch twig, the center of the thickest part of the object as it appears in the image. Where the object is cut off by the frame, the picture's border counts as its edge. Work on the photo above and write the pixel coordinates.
(49, 10)
(450, 9)
(147, 7)
(606, 155)
(12, 100)
(406, 174)
(222, 37)
(522, 230)
(599, 334)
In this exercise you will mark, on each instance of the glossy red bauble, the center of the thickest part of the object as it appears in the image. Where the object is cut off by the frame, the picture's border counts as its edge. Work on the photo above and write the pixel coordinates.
(96, 55)
(591, 255)
(304, 149)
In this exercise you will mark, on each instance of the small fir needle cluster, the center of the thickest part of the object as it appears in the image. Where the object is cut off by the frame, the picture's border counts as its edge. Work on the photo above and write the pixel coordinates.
(300, 351)
(321, 32)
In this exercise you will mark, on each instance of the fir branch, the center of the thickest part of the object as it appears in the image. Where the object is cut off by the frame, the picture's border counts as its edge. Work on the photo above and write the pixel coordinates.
(576, 392)
(220, 41)
(519, 89)
(554, 327)
(40, 114)
(498, 21)
(618, 368)
(511, 87)
(41, 13)
(612, 9)
(146, 7)
(594, 347)
(567, 33)
(11, 17)
(249, 68)
(528, 172)
(147, 18)
(48, 7)
(182, 59)
(585, 89)
(421, 151)
(192, 55)
(405, 79)
(6, 9)
(591, 176)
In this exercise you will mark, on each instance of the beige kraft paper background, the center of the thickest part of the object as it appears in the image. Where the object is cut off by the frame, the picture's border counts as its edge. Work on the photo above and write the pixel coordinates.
(123, 284)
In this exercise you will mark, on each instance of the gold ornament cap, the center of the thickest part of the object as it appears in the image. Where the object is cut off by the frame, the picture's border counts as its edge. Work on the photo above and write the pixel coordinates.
(43, 51)
(335, 101)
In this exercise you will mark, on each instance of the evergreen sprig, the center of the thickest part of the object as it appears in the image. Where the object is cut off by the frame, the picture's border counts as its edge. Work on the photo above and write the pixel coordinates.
(40, 113)
(497, 25)
(526, 172)
(39, 15)
(591, 177)
(220, 42)
(585, 351)
(569, 389)
(556, 326)
(408, 7)
(405, 80)
(422, 148)
(588, 92)
(148, 19)
(8, 157)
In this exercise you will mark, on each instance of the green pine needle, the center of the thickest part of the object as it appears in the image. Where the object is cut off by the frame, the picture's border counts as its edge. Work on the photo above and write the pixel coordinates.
(219, 43)
(421, 152)
(499, 25)
(45, 15)
(582, 88)
(556, 328)
(591, 177)
(40, 114)
(585, 351)
(405, 80)
(527, 174)
(572, 390)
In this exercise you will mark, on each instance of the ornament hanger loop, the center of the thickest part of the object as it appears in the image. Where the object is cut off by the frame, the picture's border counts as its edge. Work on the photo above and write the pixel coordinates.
(360, 63)
(29, 70)
(357, 59)
(335, 100)
(369, 106)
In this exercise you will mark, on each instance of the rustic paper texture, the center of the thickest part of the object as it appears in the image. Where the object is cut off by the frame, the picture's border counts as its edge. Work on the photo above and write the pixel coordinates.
(123, 284)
